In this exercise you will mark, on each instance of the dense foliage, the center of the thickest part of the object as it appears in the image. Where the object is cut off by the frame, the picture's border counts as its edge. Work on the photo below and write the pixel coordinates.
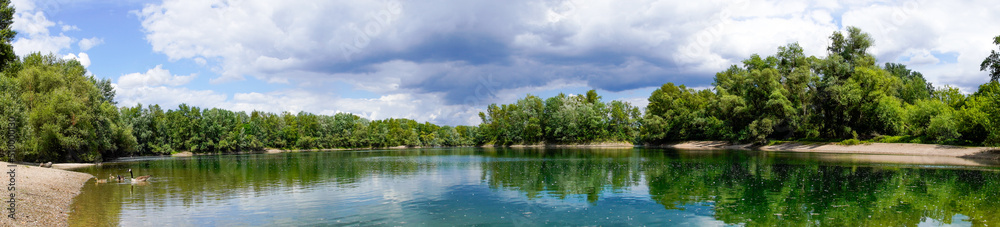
(789, 96)
(561, 120)
(217, 130)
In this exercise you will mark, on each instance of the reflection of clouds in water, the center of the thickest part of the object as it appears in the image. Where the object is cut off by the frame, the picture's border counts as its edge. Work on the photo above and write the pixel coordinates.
(384, 195)
(957, 220)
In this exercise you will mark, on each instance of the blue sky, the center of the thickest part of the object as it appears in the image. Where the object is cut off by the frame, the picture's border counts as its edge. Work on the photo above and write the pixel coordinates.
(443, 61)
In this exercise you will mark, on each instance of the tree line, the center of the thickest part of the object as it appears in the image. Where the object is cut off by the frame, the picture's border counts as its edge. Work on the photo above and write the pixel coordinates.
(846, 95)
(785, 96)
(53, 111)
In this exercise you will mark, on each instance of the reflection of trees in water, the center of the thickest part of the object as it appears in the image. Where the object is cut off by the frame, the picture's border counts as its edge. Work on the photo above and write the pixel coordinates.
(743, 187)
(562, 173)
(759, 191)
(209, 179)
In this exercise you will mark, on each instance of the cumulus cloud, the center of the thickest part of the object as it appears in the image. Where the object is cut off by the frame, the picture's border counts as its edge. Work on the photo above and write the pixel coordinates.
(33, 32)
(156, 76)
(83, 58)
(450, 55)
(159, 86)
(86, 44)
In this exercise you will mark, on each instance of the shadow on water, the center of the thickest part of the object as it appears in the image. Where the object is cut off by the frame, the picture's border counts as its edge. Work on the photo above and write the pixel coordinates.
(468, 186)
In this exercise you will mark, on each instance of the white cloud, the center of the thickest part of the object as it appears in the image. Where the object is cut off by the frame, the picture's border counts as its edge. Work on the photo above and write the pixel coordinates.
(66, 28)
(32, 23)
(437, 53)
(83, 58)
(34, 35)
(917, 28)
(158, 86)
(156, 76)
(86, 44)
(168, 97)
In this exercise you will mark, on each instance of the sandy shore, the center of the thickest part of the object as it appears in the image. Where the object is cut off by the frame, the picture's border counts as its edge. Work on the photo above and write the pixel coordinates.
(874, 148)
(43, 196)
(875, 152)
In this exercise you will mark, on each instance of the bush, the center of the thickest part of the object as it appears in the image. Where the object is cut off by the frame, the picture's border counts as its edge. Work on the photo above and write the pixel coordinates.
(852, 142)
(942, 128)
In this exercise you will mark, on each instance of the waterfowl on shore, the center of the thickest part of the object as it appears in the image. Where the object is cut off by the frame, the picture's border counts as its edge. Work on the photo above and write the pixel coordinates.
(46, 165)
(138, 179)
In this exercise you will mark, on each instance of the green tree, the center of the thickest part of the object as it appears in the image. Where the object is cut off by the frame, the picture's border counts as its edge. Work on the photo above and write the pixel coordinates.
(992, 63)
(7, 34)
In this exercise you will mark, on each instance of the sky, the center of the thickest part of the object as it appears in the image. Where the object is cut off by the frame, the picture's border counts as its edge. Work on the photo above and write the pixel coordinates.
(444, 61)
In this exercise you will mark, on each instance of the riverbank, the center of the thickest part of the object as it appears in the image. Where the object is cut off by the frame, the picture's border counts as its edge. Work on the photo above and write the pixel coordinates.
(42, 195)
(872, 149)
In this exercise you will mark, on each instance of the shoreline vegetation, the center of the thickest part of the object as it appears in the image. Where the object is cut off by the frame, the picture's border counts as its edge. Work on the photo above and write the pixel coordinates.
(61, 114)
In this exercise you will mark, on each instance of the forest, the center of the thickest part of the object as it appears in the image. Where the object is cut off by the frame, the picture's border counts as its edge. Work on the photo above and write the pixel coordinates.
(54, 111)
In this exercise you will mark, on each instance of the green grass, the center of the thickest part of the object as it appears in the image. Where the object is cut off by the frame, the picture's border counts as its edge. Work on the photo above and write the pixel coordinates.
(851, 142)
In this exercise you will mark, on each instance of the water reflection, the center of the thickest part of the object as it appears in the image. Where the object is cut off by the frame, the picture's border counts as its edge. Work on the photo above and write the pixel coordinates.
(468, 186)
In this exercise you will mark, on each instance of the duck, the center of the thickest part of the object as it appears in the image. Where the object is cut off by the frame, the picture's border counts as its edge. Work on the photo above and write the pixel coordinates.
(138, 179)
(116, 178)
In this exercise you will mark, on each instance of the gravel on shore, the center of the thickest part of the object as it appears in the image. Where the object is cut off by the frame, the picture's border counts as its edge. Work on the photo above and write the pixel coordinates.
(42, 196)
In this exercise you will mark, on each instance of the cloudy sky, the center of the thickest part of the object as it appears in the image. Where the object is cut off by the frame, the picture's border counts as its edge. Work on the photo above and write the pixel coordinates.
(443, 61)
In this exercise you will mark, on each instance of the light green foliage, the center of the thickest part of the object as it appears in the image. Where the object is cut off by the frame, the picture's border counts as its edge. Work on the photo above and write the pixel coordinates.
(679, 113)
(942, 128)
(914, 86)
(950, 95)
(920, 114)
(978, 117)
(559, 119)
(70, 117)
(852, 142)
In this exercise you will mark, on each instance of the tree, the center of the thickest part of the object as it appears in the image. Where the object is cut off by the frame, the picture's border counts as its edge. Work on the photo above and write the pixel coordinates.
(7, 56)
(992, 63)
(915, 87)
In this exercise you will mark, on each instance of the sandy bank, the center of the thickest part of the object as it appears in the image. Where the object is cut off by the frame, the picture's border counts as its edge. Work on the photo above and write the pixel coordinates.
(873, 149)
(43, 196)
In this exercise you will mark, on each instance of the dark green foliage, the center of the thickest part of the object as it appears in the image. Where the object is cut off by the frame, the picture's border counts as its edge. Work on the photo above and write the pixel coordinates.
(7, 56)
(219, 130)
(992, 63)
(844, 96)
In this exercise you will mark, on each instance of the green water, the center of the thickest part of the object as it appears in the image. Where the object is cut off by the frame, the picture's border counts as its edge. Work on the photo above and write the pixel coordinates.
(470, 186)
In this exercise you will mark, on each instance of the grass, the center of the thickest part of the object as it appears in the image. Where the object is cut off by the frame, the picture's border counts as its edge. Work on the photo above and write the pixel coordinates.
(851, 142)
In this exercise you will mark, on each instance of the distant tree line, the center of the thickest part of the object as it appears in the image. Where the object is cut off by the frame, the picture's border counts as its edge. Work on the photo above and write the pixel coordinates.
(217, 130)
(559, 120)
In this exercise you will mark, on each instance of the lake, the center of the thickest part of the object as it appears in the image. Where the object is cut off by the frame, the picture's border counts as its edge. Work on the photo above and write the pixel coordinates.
(532, 187)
